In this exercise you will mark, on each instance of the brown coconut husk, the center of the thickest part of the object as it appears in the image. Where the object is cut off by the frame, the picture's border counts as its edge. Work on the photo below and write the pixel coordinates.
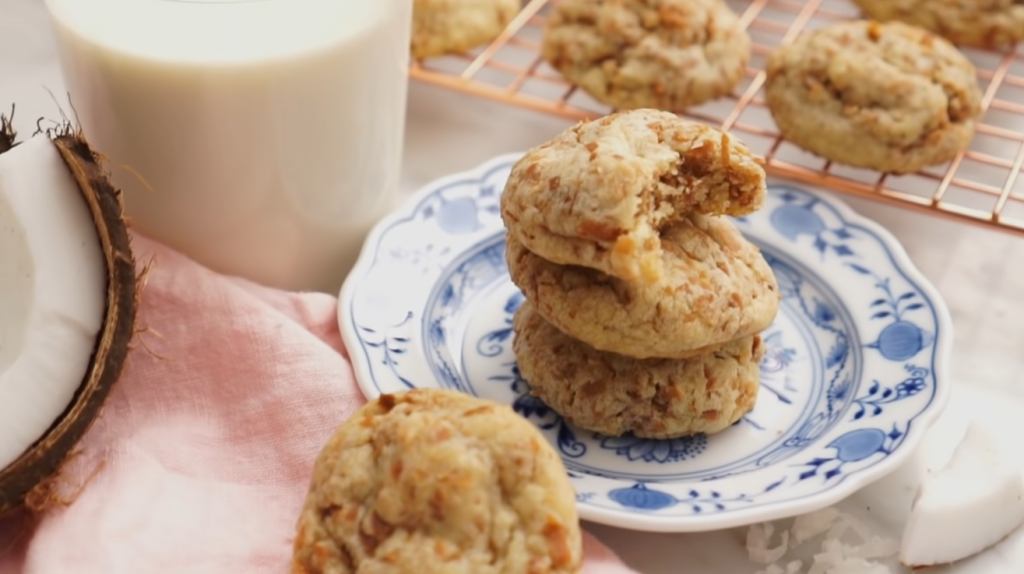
(7, 134)
(29, 481)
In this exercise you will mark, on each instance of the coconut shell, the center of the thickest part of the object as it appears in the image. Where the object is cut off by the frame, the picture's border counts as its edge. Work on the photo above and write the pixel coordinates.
(32, 472)
(7, 133)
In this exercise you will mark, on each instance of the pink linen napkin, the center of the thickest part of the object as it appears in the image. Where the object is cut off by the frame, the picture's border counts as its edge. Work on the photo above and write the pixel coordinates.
(201, 459)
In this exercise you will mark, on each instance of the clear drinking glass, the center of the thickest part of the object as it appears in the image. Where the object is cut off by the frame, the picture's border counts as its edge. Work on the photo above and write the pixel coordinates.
(262, 138)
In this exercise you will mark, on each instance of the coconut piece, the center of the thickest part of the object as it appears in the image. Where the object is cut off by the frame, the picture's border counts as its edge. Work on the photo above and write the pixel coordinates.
(759, 537)
(807, 526)
(67, 271)
(967, 507)
(55, 288)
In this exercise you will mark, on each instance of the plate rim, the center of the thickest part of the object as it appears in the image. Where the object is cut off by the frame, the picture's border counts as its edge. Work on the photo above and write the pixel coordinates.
(850, 484)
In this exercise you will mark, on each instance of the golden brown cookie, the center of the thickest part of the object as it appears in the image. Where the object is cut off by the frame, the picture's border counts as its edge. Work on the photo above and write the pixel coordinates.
(598, 194)
(654, 398)
(456, 26)
(978, 23)
(889, 97)
(717, 287)
(663, 54)
(437, 482)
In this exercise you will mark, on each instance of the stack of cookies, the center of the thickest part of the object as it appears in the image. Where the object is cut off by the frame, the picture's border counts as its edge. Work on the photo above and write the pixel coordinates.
(644, 302)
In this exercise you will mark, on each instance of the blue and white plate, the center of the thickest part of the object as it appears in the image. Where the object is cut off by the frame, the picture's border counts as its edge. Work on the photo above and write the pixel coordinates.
(854, 375)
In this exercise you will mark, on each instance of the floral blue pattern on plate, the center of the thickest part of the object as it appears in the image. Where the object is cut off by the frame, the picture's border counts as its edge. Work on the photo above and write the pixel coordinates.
(854, 374)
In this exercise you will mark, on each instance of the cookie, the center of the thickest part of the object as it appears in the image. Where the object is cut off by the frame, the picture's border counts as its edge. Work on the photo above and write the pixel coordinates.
(598, 194)
(889, 97)
(654, 398)
(437, 482)
(456, 26)
(979, 23)
(717, 287)
(662, 54)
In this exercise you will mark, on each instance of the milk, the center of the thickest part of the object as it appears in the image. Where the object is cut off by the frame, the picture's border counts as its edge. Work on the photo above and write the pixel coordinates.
(262, 138)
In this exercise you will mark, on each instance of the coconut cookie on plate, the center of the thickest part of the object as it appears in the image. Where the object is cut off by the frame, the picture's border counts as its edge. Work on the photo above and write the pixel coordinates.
(981, 24)
(644, 301)
(438, 482)
(663, 54)
(655, 398)
(455, 26)
(885, 96)
(716, 287)
(599, 194)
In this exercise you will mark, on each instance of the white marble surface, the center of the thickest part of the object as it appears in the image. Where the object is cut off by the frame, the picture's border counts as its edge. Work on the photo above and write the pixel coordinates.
(980, 273)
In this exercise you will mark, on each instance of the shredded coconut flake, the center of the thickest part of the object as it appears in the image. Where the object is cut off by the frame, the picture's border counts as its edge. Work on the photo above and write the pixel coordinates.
(850, 566)
(793, 567)
(874, 548)
(862, 530)
(810, 525)
(847, 546)
(759, 539)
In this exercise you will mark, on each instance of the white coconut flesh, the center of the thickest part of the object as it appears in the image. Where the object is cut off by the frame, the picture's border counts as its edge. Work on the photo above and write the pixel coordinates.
(52, 292)
(961, 493)
(967, 507)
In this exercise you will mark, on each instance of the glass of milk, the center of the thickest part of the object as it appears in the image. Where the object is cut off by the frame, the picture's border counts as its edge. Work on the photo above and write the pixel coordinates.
(262, 138)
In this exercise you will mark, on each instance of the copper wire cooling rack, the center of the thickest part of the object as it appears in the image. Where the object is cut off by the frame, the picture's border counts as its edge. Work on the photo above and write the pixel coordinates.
(981, 186)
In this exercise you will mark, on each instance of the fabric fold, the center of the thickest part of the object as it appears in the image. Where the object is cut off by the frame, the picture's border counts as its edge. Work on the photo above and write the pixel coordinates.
(201, 458)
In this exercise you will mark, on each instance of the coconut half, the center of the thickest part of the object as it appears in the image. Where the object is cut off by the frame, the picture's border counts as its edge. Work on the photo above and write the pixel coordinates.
(67, 303)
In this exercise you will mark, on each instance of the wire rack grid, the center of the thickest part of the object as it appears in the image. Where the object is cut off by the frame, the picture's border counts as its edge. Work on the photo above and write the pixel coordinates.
(981, 185)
